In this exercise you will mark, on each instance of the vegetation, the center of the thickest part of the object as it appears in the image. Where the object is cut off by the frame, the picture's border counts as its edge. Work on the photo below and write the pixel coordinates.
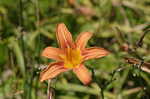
(120, 26)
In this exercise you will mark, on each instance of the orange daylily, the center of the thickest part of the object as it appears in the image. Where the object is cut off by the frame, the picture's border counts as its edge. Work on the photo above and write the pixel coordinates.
(70, 55)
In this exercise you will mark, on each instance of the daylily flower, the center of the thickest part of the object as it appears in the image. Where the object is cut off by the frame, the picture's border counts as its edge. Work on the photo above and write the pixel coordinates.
(70, 55)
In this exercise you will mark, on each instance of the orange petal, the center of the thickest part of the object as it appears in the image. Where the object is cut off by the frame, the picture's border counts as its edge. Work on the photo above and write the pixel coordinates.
(94, 52)
(83, 74)
(82, 39)
(52, 71)
(64, 37)
(52, 53)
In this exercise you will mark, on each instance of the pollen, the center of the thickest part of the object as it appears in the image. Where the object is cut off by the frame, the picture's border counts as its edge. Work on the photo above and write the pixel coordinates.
(72, 58)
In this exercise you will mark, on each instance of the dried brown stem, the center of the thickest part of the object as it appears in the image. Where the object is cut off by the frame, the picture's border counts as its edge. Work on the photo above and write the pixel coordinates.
(145, 66)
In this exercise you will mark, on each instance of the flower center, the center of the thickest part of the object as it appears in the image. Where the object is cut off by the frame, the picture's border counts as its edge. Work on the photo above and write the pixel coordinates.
(72, 58)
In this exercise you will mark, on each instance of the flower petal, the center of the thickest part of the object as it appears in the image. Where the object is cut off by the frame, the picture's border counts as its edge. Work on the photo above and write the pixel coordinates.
(83, 74)
(94, 52)
(64, 37)
(52, 53)
(82, 39)
(52, 71)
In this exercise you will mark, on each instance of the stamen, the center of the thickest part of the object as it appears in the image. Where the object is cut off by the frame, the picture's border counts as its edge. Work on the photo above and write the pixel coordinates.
(72, 58)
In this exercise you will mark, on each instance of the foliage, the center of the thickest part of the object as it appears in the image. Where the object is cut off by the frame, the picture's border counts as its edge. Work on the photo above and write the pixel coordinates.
(28, 26)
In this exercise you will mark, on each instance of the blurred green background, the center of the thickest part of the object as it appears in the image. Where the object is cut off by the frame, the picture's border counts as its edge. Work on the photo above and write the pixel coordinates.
(28, 26)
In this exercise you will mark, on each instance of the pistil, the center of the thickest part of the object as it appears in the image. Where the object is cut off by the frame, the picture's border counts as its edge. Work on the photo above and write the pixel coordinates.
(72, 58)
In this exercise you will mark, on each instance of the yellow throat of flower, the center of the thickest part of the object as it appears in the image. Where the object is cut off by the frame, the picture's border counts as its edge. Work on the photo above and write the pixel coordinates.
(72, 58)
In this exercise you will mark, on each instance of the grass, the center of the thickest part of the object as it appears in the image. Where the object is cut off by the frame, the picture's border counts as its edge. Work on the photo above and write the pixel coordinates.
(28, 26)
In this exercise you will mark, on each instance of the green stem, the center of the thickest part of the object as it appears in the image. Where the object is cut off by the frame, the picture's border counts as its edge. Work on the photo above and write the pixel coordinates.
(19, 55)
